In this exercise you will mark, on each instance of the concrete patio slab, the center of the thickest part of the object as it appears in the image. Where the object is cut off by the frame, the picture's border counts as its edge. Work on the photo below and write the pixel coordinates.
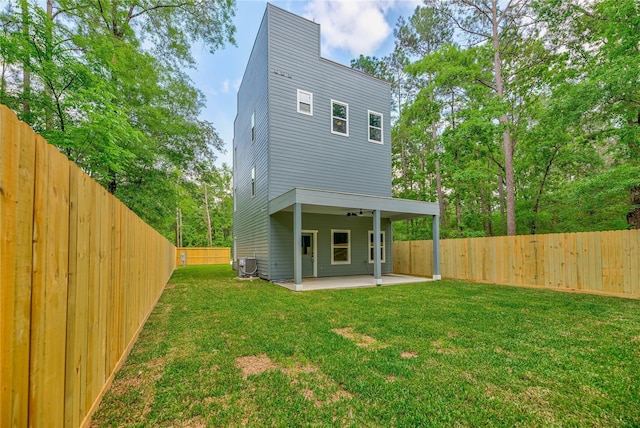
(352, 281)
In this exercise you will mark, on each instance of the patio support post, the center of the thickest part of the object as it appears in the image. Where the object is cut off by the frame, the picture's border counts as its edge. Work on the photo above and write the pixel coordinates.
(377, 266)
(297, 239)
(436, 247)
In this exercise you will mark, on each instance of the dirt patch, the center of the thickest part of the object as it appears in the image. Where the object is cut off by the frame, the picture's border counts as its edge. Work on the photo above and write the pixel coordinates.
(361, 340)
(182, 351)
(124, 385)
(441, 349)
(409, 354)
(468, 376)
(533, 399)
(314, 385)
(298, 369)
(341, 394)
(635, 339)
(308, 394)
(255, 364)
(145, 378)
(536, 395)
(156, 363)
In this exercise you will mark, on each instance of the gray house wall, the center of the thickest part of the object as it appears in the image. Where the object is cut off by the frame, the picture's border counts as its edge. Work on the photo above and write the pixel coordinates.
(304, 152)
(281, 231)
(297, 150)
(250, 218)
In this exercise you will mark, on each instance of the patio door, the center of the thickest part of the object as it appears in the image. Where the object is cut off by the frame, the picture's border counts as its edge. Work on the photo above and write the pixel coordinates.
(308, 249)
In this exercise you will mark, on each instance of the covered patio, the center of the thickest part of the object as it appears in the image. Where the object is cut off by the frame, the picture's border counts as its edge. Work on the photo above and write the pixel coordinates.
(352, 281)
(302, 200)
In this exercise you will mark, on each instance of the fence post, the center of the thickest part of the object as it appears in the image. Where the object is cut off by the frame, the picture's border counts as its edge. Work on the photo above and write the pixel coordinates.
(436, 247)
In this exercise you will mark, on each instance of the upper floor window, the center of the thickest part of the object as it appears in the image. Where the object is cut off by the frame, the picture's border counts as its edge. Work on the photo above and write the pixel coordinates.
(253, 181)
(305, 102)
(339, 118)
(340, 247)
(375, 127)
(253, 126)
(371, 246)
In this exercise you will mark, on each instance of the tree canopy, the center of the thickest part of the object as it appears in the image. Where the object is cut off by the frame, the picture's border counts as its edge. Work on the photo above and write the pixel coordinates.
(105, 82)
(519, 116)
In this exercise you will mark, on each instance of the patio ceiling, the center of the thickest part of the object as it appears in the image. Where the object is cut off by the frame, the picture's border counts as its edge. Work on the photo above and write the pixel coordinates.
(338, 203)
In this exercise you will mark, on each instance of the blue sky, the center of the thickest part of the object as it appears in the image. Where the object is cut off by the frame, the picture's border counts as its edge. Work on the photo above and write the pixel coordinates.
(348, 27)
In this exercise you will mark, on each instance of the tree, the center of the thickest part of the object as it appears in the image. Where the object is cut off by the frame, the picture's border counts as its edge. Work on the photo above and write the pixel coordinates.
(601, 43)
(427, 31)
(498, 25)
(107, 87)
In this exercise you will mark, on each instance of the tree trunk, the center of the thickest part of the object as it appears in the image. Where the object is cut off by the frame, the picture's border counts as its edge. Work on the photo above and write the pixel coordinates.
(536, 206)
(49, 56)
(206, 208)
(113, 183)
(3, 85)
(457, 163)
(26, 74)
(501, 197)
(439, 192)
(504, 121)
(178, 228)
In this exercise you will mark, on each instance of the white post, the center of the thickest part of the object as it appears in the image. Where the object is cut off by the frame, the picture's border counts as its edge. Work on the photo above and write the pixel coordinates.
(297, 240)
(436, 247)
(377, 265)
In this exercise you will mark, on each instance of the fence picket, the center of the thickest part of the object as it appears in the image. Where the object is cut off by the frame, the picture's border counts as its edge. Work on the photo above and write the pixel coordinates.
(606, 262)
(203, 256)
(68, 291)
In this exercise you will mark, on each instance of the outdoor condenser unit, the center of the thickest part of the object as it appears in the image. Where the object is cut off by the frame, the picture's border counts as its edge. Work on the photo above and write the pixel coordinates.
(247, 267)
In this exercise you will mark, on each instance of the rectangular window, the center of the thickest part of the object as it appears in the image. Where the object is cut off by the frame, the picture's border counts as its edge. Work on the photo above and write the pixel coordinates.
(305, 102)
(235, 201)
(375, 127)
(253, 126)
(253, 181)
(339, 118)
(340, 247)
(382, 247)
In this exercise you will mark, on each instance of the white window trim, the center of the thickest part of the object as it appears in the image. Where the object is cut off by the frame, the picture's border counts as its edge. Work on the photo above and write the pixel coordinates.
(332, 116)
(253, 181)
(339, 262)
(383, 246)
(253, 126)
(369, 113)
(310, 112)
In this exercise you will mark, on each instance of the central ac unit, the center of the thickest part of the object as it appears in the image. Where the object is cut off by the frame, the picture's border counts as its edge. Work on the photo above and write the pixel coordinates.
(247, 267)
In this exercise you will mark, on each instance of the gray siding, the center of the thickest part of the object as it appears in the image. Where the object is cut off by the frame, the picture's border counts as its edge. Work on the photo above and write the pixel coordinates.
(304, 152)
(297, 150)
(282, 259)
(250, 220)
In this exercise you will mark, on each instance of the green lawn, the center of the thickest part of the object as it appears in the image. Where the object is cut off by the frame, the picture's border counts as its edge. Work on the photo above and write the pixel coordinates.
(218, 351)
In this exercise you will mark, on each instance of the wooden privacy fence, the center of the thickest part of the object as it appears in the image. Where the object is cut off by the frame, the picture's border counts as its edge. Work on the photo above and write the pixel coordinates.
(79, 274)
(605, 262)
(203, 256)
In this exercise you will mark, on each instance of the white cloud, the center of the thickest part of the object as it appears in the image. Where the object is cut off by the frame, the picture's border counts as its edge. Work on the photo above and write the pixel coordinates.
(230, 85)
(356, 26)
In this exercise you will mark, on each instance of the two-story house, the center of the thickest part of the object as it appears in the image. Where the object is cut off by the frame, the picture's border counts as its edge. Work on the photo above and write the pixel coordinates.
(312, 161)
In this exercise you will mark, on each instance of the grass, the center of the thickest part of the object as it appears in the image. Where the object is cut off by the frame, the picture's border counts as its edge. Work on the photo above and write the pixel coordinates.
(218, 351)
